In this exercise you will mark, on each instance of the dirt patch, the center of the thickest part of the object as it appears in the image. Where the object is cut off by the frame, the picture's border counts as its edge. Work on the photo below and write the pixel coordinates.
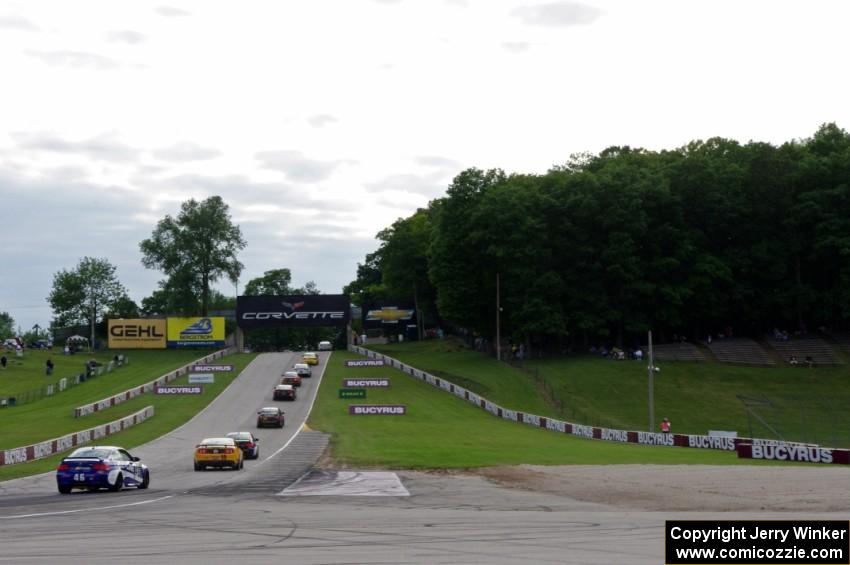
(686, 487)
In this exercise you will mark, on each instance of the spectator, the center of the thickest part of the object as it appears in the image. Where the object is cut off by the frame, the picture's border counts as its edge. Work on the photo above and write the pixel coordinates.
(49, 366)
(665, 426)
(638, 354)
(793, 360)
(3, 362)
(809, 361)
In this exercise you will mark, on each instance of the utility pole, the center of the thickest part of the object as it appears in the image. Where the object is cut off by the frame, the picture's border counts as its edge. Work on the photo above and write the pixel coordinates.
(498, 329)
(651, 370)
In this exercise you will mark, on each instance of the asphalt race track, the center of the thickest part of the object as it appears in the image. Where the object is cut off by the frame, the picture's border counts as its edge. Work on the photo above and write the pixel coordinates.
(238, 516)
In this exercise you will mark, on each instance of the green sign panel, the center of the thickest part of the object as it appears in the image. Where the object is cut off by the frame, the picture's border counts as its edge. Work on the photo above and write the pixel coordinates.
(352, 393)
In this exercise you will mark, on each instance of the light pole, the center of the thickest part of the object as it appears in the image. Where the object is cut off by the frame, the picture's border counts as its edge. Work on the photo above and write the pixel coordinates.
(651, 371)
(498, 329)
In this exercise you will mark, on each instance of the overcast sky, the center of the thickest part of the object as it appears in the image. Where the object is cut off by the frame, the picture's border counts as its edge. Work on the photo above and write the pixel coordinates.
(322, 122)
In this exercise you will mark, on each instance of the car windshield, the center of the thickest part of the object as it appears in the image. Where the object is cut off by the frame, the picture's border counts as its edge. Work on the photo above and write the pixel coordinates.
(97, 452)
(217, 441)
(239, 435)
(269, 411)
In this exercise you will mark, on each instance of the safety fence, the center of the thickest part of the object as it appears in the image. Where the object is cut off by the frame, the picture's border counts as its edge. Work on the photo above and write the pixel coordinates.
(116, 399)
(66, 442)
(63, 384)
(750, 448)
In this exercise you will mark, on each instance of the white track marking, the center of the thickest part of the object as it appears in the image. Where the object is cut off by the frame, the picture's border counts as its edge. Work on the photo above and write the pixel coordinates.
(85, 509)
(315, 396)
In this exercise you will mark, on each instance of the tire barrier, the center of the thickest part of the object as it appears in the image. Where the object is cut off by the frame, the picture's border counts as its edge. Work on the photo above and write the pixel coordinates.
(114, 400)
(751, 448)
(64, 443)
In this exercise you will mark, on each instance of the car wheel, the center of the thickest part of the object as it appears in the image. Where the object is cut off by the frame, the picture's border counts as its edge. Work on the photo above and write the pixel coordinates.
(241, 464)
(198, 467)
(64, 489)
(119, 483)
(145, 481)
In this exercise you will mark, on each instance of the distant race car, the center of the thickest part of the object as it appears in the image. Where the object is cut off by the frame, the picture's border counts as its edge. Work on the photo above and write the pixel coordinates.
(310, 358)
(270, 416)
(291, 378)
(246, 441)
(218, 452)
(325, 346)
(284, 392)
(303, 370)
(97, 467)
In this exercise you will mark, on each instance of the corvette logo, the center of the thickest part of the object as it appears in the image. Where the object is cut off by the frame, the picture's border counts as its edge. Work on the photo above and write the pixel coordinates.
(292, 306)
(202, 326)
(389, 315)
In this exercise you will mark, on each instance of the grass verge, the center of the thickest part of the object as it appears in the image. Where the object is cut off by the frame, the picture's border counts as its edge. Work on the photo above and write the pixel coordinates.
(441, 431)
(170, 413)
(795, 404)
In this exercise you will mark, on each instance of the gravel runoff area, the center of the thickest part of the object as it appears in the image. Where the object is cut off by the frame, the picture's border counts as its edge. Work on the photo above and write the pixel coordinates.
(686, 487)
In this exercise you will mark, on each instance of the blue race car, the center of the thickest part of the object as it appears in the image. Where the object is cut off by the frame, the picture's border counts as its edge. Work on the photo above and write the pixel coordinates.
(99, 466)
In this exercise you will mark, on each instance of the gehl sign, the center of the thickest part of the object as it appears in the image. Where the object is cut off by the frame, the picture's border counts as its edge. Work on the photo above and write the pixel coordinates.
(137, 334)
(292, 311)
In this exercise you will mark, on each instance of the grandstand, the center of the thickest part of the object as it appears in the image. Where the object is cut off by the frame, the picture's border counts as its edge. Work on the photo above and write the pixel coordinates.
(821, 352)
(741, 351)
(677, 352)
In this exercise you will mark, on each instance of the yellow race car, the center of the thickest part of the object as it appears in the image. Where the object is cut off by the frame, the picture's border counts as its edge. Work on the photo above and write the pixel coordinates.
(310, 358)
(218, 452)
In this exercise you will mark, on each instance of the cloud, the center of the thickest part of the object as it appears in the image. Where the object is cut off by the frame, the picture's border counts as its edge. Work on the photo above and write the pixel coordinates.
(127, 36)
(516, 46)
(74, 60)
(431, 161)
(171, 12)
(185, 151)
(105, 147)
(558, 14)
(321, 120)
(17, 23)
(297, 167)
(430, 185)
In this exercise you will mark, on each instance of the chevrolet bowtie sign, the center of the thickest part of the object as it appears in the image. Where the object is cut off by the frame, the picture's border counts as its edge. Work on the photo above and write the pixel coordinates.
(292, 311)
(388, 315)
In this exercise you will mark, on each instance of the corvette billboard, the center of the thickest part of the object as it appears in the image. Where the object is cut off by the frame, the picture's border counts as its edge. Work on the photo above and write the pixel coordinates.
(293, 311)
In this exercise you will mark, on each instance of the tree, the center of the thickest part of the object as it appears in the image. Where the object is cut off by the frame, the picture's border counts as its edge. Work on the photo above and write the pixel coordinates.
(195, 249)
(124, 307)
(367, 286)
(85, 293)
(7, 325)
(275, 283)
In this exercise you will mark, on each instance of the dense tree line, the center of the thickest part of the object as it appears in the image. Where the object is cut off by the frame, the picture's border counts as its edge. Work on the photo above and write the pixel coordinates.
(691, 240)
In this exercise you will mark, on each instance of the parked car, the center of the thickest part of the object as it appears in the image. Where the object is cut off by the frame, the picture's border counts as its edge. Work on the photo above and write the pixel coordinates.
(284, 392)
(325, 346)
(270, 416)
(218, 452)
(99, 466)
(303, 370)
(246, 441)
(290, 378)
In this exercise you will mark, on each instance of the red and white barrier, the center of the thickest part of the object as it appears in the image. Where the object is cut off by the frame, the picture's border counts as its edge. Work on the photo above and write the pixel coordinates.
(64, 443)
(105, 403)
(746, 447)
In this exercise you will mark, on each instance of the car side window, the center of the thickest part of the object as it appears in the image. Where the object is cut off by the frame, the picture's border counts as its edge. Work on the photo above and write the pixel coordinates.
(125, 455)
